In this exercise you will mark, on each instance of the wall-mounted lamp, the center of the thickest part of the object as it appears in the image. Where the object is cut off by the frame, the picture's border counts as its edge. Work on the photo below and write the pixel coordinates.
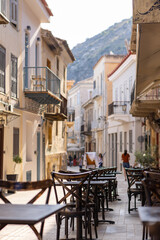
(38, 39)
(29, 28)
(2, 121)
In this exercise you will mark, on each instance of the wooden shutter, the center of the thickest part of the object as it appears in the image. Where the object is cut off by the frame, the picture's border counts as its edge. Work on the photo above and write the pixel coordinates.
(14, 11)
(15, 141)
(13, 76)
(2, 68)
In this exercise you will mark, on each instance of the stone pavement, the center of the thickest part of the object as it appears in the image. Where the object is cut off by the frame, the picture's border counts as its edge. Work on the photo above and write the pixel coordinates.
(126, 227)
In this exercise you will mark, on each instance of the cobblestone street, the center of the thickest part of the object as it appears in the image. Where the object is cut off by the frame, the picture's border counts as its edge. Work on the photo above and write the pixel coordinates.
(126, 227)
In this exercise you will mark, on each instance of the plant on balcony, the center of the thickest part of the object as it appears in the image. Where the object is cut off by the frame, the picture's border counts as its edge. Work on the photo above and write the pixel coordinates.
(16, 159)
(13, 176)
(147, 158)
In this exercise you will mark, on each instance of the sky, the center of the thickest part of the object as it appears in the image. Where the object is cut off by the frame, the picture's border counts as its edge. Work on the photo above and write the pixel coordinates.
(77, 20)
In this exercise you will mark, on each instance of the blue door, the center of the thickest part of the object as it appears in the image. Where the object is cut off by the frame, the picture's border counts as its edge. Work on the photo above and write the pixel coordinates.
(38, 156)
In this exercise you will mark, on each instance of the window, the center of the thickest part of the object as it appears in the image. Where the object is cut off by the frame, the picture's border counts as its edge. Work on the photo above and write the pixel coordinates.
(94, 84)
(57, 66)
(63, 130)
(130, 141)
(15, 141)
(28, 176)
(2, 68)
(56, 128)
(13, 76)
(120, 149)
(64, 77)
(50, 134)
(3, 7)
(14, 12)
(125, 140)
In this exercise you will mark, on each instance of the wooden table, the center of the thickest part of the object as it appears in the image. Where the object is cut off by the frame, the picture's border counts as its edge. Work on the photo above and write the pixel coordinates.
(27, 214)
(150, 217)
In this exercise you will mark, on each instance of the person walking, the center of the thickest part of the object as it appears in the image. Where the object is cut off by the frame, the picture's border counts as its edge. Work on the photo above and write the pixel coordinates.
(100, 160)
(125, 159)
(74, 160)
(70, 160)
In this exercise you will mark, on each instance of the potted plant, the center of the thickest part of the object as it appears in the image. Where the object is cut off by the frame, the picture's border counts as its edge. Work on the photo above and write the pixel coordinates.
(13, 177)
(147, 158)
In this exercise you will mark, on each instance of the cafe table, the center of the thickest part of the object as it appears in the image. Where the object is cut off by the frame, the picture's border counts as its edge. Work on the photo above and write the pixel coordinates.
(94, 184)
(150, 217)
(27, 214)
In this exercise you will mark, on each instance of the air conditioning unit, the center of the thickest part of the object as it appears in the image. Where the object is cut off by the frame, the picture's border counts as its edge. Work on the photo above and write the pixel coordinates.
(10, 108)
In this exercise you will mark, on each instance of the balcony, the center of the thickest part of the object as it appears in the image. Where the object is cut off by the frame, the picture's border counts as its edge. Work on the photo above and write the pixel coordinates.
(119, 111)
(97, 93)
(119, 108)
(97, 126)
(3, 17)
(86, 129)
(61, 116)
(41, 85)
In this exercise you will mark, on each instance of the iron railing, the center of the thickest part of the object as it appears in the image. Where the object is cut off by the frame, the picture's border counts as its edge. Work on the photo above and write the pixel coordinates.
(39, 79)
(119, 107)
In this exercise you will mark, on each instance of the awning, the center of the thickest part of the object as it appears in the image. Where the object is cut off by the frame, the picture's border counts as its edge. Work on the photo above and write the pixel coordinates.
(8, 116)
(55, 116)
(148, 67)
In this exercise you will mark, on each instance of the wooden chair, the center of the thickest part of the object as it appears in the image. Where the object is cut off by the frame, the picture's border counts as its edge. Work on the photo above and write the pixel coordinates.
(78, 187)
(42, 186)
(151, 183)
(134, 175)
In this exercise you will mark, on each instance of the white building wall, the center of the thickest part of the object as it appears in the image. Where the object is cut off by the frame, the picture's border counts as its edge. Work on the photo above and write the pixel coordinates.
(123, 79)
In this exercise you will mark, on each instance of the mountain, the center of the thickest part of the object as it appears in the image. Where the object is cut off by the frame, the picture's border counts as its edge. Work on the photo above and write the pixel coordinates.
(89, 52)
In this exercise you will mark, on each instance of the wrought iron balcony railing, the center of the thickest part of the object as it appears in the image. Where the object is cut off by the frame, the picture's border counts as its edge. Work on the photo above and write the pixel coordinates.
(119, 107)
(41, 85)
(52, 115)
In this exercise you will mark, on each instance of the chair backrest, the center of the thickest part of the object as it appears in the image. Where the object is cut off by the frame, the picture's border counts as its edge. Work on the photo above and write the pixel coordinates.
(151, 184)
(42, 186)
(72, 185)
(133, 175)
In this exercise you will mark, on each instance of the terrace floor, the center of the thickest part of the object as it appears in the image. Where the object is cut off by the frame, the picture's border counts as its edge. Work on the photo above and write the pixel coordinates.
(126, 227)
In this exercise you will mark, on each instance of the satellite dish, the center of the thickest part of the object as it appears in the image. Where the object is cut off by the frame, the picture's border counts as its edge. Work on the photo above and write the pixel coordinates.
(140, 139)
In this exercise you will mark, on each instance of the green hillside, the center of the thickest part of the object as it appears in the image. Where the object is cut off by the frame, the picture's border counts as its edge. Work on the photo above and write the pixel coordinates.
(89, 52)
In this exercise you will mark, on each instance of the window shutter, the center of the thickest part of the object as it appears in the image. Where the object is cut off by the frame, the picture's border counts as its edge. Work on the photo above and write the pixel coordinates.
(14, 11)
(3, 7)
(15, 141)
(2, 68)
(13, 76)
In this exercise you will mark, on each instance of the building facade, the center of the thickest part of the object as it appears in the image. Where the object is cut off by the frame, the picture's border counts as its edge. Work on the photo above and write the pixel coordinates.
(102, 94)
(77, 96)
(124, 131)
(28, 86)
